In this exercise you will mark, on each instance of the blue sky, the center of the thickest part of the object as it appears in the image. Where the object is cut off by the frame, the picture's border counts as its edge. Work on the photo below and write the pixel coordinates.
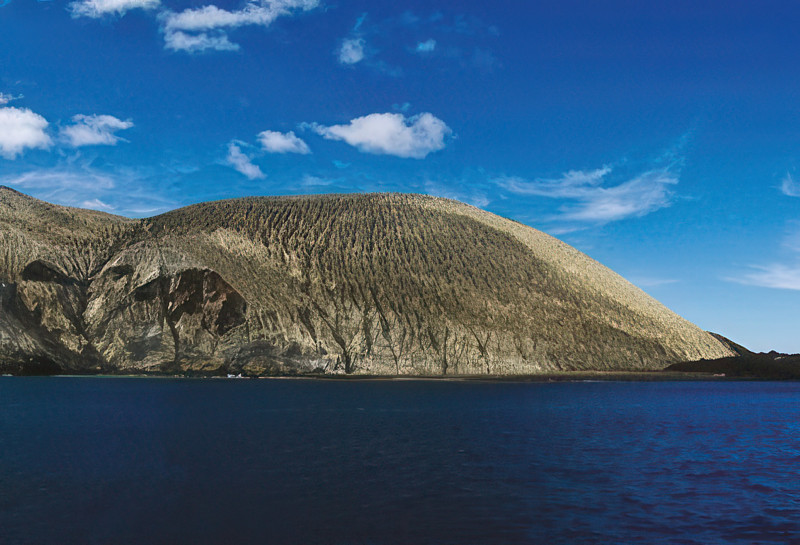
(660, 138)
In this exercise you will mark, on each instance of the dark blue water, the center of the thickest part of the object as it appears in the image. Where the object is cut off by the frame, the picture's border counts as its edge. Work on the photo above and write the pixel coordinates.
(152, 461)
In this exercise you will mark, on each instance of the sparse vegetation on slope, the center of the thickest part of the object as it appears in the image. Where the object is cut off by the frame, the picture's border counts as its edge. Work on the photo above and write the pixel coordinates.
(378, 283)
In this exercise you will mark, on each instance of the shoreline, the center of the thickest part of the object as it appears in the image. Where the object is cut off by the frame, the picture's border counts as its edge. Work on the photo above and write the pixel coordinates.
(545, 378)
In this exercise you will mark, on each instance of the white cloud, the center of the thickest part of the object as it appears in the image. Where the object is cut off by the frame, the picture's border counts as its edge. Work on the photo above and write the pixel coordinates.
(790, 187)
(211, 17)
(21, 128)
(391, 134)
(100, 8)
(278, 142)
(426, 47)
(5, 99)
(180, 41)
(351, 51)
(775, 275)
(594, 203)
(242, 162)
(188, 30)
(94, 130)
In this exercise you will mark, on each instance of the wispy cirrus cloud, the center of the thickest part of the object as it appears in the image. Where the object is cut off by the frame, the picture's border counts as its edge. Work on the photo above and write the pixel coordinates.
(94, 130)
(100, 8)
(55, 180)
(278, 142)
(774, 275)
(646, 193)
(309, 181)
(783, 274)
(475, 197)
(571, 184)
(21, 129)
(97, 204)
(206, 28)
(242, 162)
(591, 200)
(86, 187)
(789, 186)
(391, 134)
(791, 239)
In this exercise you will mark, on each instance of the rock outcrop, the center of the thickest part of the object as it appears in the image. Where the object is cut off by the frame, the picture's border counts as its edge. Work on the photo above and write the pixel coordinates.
(745, 365)
(369, 284)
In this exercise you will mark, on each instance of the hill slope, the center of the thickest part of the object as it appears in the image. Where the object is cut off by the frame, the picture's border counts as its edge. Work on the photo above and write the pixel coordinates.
(377, 283)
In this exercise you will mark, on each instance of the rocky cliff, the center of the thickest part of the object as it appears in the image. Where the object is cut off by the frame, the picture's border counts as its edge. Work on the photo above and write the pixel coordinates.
(370, 284)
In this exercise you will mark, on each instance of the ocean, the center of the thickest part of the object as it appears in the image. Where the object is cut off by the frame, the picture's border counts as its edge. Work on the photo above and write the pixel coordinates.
(212, 461)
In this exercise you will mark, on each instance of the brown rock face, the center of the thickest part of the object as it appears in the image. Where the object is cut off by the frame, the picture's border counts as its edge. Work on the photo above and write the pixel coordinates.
(379, 284)
(169, 323)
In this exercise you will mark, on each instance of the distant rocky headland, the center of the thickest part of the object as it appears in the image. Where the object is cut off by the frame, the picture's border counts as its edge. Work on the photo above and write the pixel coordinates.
(379, 284)
(745, 364)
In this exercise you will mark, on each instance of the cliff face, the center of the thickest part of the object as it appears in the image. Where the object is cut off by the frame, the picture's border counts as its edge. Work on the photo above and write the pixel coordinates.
(379, 284)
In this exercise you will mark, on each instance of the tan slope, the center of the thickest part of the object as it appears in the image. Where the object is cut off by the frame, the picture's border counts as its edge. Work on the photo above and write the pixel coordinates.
(77, 241)
(378, 283)
(648, 316)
